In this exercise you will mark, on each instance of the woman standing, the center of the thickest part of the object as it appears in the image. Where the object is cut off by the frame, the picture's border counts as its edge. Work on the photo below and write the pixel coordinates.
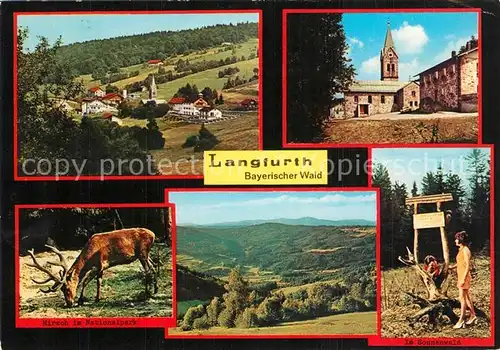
(463, 267)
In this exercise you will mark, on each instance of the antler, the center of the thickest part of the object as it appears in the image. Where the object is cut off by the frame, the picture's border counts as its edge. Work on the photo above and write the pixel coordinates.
(52, 276)
(62, 262)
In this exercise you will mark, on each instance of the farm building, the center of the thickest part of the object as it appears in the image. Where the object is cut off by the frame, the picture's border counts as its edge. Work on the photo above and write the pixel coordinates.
(95, 107)
(453, 83)
(95, 91)
(249, 104)
(210, 114)
(113, 99)
(112, 118)
(153, 63)
(369, 97)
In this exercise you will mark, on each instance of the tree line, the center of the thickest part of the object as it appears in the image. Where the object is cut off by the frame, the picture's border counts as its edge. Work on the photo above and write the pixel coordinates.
(70, 228)
(470, 208)
(244, 307)
(105, 54)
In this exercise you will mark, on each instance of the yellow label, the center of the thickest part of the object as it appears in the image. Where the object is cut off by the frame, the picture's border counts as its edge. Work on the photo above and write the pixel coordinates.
(265, 167)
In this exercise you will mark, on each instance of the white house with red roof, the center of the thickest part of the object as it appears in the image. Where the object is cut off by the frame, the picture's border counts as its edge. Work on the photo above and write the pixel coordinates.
(92, 106)
(113, 99)
(96, 91)
(112, 118)
(154, 63)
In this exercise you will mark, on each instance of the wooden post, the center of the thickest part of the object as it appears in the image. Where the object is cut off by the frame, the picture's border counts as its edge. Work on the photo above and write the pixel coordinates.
(415, 236)
(444, 242)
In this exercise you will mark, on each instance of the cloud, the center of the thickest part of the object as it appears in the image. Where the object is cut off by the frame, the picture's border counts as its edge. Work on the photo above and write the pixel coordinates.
(326, 200)
(371, 65)
(410, 68)
(452, 45)
(355, 41)
(409, 39)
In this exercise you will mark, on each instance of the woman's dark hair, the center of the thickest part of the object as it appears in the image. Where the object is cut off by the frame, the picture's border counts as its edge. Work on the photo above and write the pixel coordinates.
(462, 237)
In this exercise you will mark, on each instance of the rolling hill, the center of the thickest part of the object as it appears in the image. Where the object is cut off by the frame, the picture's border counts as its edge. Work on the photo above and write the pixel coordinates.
(288, 250)
(107, 54)
(307, 221)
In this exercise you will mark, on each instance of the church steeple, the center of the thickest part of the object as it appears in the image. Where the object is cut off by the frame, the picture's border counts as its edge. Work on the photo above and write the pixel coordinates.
(388, 38)
(389, 58)
(153, 92)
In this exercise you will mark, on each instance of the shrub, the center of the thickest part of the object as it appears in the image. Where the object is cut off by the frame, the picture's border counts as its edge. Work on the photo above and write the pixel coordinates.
(191, 141)
(348, 304)
(201, 323)
(213, 311)
(247, 319)
(226, 318)
(192, 313)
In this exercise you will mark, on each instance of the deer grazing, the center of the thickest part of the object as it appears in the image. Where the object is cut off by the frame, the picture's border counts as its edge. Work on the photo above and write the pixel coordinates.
(102, 251)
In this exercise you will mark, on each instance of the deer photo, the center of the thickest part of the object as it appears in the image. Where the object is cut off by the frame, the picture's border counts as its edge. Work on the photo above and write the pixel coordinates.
(102, 251)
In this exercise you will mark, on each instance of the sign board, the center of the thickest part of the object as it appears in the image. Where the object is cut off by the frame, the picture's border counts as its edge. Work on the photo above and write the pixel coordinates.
(434, 198)
(428, 220)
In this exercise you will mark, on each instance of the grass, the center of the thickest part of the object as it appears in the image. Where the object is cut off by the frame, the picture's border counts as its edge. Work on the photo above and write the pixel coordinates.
(352, 323)
(241, 134)
(396, 306)
(122, 293)
(450, 130)
(207, 78)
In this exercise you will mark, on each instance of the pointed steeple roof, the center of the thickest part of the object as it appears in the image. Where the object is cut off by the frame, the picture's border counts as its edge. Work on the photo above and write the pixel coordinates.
(388, 38)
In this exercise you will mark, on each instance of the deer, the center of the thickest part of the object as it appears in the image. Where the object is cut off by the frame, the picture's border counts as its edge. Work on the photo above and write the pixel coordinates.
(101, 252)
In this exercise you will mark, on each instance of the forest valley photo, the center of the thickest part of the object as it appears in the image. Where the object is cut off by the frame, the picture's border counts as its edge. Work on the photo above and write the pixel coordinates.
(421, 300)
(158, 99)
(64, 252)
(288, 276)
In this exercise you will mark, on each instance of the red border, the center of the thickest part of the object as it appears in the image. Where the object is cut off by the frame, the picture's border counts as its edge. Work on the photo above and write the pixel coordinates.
(17, 177)
(282, 189)
(384, 341)
(284, 140)
(141, 322)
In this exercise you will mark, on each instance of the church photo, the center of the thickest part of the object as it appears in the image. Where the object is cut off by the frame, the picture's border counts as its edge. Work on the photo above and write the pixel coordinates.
(375, 78)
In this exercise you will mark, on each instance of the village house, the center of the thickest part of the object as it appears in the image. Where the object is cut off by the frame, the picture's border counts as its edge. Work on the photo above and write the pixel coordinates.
(200, 102)
(369, 97)
(112, 99)
(112, 118)
(210, 114)
(452, 84)
(249, 104)
(155, 63)
(95, 91)
(91, 106)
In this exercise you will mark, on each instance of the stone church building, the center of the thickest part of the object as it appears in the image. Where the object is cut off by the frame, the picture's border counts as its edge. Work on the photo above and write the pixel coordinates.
(369, 97)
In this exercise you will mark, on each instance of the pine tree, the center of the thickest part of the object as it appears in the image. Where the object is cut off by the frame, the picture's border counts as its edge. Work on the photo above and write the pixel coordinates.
(414, 190)
(318, 68)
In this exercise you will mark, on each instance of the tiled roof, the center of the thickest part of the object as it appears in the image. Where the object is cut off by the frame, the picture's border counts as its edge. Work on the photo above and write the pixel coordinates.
(95, 88)
(154, 61)
(377, 86)
(176, 100)
(445, 62)
(111, 95)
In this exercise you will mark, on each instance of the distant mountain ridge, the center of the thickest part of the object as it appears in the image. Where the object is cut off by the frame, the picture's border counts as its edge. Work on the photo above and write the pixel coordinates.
(305, 221)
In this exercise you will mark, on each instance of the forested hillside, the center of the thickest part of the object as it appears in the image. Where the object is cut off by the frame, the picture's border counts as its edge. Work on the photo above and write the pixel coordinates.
(289, 250)
(88, 57)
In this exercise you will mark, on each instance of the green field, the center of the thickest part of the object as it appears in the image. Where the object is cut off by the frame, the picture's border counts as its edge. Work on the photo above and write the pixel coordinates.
(352, 323)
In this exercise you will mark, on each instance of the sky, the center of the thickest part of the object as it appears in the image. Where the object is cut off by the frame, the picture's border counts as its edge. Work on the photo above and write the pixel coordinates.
(421, 39)
(407, 165)
(203, 208)
(79, 28)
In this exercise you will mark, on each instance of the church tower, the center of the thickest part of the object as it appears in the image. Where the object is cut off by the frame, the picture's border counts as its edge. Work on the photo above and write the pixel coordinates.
(389, 58)
(153, 92)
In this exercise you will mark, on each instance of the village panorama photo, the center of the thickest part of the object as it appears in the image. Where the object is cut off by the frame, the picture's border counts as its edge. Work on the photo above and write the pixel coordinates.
(382, 78)
(134, 94)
